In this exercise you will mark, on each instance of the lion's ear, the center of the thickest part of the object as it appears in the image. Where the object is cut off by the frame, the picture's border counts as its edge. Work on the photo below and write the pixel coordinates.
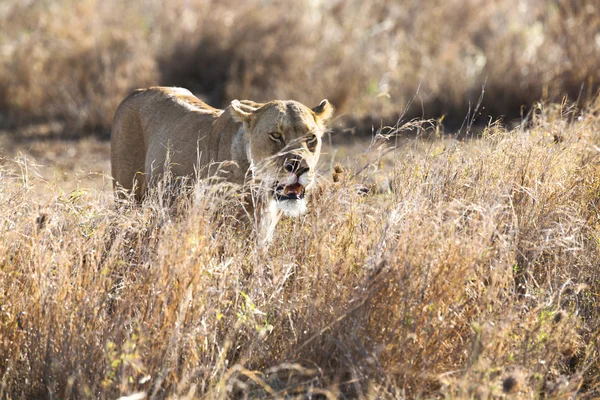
(323, 111)
(242, 112)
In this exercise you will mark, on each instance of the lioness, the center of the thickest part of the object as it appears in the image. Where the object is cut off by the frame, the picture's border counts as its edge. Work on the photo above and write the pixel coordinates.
(278, 142)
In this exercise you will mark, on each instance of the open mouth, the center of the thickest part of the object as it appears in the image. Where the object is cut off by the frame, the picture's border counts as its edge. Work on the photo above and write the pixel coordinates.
(289, 192)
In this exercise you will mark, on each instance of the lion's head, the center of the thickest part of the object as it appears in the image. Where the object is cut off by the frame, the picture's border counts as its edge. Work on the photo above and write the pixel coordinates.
(283, 145)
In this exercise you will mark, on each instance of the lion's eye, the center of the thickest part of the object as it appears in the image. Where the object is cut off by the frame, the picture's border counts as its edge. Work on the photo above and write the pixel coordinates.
(276, 136)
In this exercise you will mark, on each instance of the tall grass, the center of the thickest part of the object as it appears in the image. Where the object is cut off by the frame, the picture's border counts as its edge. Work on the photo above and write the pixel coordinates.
(75, 60)
(475, 276)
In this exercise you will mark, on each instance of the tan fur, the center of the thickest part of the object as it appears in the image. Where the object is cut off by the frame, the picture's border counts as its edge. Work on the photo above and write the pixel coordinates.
(151, 123)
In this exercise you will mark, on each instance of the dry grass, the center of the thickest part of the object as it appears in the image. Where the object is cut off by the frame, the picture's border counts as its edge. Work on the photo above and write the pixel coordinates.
(475, 276)
(469, 271)
(75, 60)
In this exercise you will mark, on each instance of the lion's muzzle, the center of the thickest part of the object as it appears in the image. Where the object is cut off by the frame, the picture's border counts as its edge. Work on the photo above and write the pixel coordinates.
(289, 192)
(295, 191)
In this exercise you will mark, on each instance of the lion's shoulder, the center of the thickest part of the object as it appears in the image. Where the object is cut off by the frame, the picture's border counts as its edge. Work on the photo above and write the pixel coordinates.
(180, 96)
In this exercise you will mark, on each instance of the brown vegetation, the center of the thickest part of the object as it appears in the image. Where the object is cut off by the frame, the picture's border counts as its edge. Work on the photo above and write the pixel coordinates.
(75, 60)
(475, 276)
(425, 268)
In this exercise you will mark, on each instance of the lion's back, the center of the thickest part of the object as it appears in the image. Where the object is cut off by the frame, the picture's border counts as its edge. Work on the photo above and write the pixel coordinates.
(150, 121)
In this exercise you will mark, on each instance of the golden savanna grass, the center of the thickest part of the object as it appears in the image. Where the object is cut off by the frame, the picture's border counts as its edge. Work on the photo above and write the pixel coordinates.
(431, 264)
(474, 275)
(75, 60)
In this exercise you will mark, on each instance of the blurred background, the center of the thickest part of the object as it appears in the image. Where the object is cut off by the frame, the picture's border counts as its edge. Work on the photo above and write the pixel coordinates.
(65, 65)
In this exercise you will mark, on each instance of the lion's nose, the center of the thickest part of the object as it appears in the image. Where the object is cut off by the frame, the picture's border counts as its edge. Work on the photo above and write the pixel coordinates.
(302, 171)
(296, 166)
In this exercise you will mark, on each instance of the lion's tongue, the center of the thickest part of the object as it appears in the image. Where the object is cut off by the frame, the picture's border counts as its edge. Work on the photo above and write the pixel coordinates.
(295, 188)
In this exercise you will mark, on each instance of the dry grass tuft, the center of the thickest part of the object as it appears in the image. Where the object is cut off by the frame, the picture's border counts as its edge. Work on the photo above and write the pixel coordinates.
(475, 275)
